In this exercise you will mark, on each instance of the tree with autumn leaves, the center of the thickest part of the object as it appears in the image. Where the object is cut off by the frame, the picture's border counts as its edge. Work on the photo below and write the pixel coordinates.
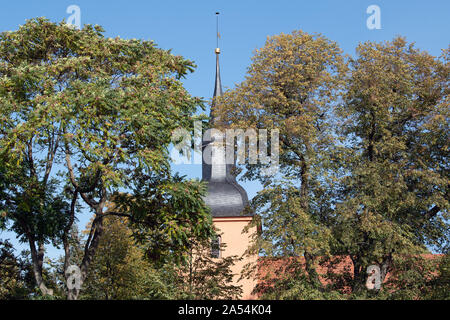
(292, 85)
(363, 158)
(394, 199)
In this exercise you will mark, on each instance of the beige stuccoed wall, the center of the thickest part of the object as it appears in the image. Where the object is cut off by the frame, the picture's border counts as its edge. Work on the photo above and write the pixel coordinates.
(230, 229)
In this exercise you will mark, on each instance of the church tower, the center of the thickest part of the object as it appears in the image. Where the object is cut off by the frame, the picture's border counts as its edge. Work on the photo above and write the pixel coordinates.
(225, 197)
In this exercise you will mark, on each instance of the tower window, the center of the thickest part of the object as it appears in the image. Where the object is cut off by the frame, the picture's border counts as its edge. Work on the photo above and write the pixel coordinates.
(215, 247)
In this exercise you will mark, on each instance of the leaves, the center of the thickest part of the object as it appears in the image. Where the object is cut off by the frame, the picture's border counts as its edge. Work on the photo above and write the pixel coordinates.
(84, 116)
(363, 156)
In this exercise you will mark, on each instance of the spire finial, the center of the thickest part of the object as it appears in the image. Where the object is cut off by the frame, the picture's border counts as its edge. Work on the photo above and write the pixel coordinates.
(217, 33)
(218, 84)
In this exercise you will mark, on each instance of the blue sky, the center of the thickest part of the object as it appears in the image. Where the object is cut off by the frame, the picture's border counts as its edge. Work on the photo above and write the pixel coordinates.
(188, 28)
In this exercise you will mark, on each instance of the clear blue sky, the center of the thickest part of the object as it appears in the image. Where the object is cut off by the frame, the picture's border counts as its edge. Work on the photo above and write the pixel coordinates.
(188, 28)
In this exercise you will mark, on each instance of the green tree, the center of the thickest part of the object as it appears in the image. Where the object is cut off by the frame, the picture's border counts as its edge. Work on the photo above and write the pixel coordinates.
(286, 279)
(84, 116)
(16, 275)
(412, 277)
(441, 283)
(204, 277)
(11, 286)
(119, 269)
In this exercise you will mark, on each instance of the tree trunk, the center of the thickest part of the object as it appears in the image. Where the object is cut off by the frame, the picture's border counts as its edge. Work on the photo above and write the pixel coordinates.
(304, 189)
(73, 294)
(359, 276)
(89, 251)
(37, 258)
(386, 266)
(310, 268)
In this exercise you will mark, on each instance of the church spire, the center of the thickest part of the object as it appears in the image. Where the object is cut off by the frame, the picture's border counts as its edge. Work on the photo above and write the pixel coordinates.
(225, 197)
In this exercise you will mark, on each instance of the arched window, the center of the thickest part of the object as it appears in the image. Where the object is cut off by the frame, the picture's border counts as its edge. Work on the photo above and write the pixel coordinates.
(215, 247)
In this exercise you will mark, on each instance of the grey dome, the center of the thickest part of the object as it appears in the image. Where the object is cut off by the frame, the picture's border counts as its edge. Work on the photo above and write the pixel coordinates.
(225, 197)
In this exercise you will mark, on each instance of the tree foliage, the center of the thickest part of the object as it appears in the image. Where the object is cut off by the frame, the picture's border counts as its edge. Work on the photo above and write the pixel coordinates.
(204, 277)
(395, 195)
(86, 123)
(119, 270)
(84, 116)
(292, 85)
(363, 161)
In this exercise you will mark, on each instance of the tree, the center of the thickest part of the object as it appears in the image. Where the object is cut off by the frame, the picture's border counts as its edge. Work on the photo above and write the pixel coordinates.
(395, 187)
(292, 85)
(100, 111)
(204, 277)
(119, 269)
(363, 160)
(10, 272)
(441, 283)
(412, 277)
(286, 279)
(16, 275)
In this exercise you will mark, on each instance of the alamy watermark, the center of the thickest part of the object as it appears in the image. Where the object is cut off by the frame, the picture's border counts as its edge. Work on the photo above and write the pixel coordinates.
(374, 20)
(225, 147)
(374, 277)
(73, 274)
(74, 20)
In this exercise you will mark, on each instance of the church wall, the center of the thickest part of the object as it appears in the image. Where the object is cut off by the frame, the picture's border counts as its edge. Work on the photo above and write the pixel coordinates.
(230, 229)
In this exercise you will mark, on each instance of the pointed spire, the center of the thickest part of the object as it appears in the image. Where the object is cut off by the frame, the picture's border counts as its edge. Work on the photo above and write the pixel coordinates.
(218, 83)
